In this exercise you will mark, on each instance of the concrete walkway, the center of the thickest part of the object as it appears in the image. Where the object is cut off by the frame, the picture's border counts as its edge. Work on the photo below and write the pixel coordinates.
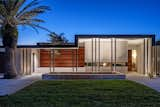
(152, 83)
(8, 87)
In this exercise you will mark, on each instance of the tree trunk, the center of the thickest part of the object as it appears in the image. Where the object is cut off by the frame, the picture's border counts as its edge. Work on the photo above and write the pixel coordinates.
(10, 65)
(10, 34)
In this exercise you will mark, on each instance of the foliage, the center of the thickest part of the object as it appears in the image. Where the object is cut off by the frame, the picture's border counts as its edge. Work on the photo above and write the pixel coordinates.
(14, 13)
(57, 39)
(151, 75)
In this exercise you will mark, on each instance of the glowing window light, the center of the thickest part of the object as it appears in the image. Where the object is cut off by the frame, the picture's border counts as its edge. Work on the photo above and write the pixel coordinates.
(134, 54)
(104, 64)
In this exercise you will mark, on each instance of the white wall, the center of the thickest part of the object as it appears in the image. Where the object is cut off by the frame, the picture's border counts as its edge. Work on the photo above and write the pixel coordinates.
(140, 58)
(24, 61)
(158, 58)
(121, 50)
(149, 55)
(36, 58)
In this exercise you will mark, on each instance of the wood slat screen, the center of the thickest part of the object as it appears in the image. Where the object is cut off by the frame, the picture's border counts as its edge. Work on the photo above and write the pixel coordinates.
(66, 58)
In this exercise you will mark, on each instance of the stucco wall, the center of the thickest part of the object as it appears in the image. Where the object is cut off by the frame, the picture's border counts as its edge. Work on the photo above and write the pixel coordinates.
(158, 59)
(140, 58)
(24, 61)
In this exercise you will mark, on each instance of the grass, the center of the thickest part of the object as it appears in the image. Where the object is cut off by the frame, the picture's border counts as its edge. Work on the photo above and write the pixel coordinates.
(83, 93)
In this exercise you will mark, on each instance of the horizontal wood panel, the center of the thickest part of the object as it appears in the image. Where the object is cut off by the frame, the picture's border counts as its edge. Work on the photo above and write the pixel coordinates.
(66, 58)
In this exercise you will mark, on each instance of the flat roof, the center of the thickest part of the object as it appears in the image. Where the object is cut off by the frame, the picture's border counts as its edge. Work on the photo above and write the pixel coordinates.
(75, 44)
(116, 36)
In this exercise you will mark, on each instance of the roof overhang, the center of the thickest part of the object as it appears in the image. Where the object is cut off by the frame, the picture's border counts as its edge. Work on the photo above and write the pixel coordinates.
(130, 36)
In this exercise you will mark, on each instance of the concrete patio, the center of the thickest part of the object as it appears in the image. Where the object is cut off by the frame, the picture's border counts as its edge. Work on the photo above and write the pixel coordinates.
(8, 87)
(152, 83)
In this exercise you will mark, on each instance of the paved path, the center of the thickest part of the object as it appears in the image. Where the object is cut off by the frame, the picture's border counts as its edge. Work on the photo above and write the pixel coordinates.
(8, 87)
(152, 83)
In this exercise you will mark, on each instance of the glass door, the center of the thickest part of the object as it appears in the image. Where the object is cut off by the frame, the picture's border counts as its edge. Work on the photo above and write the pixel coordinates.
(105, 54)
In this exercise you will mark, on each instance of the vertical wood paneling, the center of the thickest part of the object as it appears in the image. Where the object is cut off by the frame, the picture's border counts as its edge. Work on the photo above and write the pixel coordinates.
(64, 59)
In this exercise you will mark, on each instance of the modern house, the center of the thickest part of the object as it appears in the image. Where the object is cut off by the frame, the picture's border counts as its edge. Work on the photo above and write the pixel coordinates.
(92, 53)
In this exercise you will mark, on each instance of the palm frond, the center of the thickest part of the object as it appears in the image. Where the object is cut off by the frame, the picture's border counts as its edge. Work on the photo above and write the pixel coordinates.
(34, 12)
(34, 28)
(26, 21)
(32, 25)
(57, 39)
(12, 13)
(3, 11)
(19, 3)
(31, 4)
(1, 22)
(16, 6)
(1, 17)
(40, 27)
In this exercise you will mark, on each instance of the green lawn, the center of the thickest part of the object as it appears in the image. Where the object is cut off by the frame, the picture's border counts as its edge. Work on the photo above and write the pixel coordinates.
(83, 93)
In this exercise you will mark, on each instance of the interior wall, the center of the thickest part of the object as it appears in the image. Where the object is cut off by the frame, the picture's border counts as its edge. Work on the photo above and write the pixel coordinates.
(122, 47)
(105, 50)
(140, 56)
(121, 51)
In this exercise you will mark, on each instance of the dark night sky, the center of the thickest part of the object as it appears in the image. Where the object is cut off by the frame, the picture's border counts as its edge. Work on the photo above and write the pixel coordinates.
(96, 17)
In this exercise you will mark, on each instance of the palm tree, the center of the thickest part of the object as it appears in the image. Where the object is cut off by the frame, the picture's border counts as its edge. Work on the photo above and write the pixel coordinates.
(57, 39)
(12, 14)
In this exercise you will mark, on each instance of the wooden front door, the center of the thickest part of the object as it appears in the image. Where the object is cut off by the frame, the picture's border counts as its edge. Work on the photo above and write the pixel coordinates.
(129, 60)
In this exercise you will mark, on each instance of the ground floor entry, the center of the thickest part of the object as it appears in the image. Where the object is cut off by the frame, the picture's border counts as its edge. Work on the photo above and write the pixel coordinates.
(100, 55)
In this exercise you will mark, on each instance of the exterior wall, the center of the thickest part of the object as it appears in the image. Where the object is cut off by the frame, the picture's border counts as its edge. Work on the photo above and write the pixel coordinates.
(140, 58)
(158, 59)
(149, 55)
(35, 57)
(23, 61)
(28, 59)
